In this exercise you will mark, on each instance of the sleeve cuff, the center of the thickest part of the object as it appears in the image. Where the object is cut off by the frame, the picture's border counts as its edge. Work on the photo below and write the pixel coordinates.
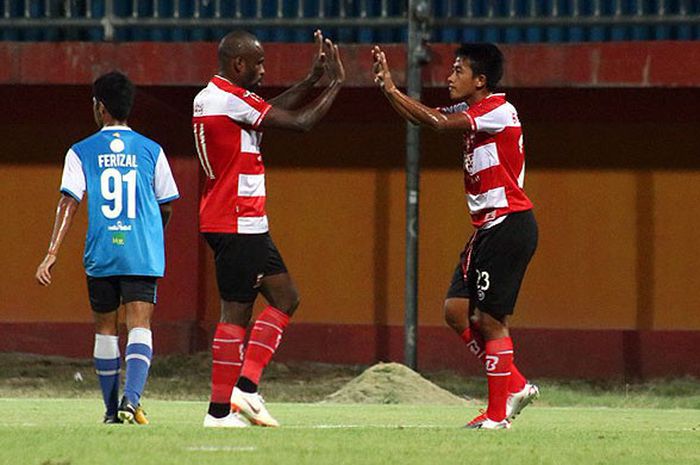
(261, 117)
(70, 193)
(168, 199)
(472, 121)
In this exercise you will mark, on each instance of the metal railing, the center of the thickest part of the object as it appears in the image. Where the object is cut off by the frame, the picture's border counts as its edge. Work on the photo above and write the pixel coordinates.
(353, 21)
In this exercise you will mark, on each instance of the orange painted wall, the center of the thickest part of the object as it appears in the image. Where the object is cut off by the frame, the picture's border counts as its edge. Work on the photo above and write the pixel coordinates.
(617, 245)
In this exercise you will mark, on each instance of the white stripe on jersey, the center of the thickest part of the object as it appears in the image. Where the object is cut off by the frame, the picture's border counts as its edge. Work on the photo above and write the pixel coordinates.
(498, 119)
(201, 144)
(491, 199)
(484, 157)
(251, 185)
(213, 101)
(252, 224)
(250, 141)
(521, 177)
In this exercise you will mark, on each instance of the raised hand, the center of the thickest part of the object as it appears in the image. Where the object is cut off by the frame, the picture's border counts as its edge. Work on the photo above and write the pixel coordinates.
(318, 67)
(335, 68)
(380, 69)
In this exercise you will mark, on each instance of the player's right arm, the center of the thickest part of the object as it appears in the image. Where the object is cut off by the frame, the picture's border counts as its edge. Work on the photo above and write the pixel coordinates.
(67, 206)
(72, 190)
(295, 95)
(411, 109)
(306, 117)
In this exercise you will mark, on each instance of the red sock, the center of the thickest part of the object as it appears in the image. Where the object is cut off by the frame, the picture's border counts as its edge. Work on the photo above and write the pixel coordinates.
(265, 337)
(226, 363)
(474, 341)
(517, 381)
(498, 362)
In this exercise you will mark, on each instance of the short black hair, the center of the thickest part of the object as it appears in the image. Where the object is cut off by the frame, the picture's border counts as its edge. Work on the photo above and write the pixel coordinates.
(116, 92)
(234, 44)
(485, 59)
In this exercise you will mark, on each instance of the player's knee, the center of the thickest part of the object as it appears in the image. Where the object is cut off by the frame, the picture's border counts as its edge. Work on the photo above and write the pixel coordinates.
(291, 304)
(454, 317)
(490, 326)
(237, 313)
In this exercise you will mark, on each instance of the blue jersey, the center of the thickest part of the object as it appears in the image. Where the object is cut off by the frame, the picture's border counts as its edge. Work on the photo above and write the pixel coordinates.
(126, 176)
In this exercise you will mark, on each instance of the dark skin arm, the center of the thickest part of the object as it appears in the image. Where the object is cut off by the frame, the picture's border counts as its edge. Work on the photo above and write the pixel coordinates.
(67, 206)
(411, 109)
(309, 115)
(295, 95)
(166, 212)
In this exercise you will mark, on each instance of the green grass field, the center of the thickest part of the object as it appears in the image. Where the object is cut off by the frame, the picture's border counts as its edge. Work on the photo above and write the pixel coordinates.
(68, 432)
(49, 416)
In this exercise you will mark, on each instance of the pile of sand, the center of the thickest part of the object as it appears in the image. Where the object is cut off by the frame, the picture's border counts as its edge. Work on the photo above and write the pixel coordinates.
(392, 383)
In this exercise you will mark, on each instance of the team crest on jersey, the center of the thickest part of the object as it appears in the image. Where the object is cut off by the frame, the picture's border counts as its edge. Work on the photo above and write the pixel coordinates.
(469, 161)
(116, 146)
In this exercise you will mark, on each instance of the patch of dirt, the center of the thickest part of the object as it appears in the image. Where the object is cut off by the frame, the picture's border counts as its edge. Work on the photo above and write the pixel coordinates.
(392, 383)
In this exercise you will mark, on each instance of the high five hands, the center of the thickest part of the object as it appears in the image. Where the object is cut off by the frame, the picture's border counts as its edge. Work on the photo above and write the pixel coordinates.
(327, 60)
(380, 69)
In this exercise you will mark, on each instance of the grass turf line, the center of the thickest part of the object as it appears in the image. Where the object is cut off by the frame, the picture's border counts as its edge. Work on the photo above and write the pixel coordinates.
(68, 432)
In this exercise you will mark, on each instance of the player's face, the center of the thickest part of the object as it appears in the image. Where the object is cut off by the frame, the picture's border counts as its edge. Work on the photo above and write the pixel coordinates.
(254, 68)
(462, 83)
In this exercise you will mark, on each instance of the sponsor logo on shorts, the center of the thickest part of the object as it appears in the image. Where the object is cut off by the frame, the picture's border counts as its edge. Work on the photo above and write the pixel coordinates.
(258, 280)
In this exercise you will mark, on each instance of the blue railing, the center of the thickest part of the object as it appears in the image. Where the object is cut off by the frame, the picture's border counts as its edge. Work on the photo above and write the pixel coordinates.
(361, 21)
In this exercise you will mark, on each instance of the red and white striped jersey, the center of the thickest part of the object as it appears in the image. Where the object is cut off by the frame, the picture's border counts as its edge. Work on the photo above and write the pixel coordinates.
(494, 160)
(226, 119)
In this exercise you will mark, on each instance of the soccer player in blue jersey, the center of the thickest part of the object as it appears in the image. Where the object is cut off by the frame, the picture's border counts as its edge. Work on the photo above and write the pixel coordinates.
(129, 187)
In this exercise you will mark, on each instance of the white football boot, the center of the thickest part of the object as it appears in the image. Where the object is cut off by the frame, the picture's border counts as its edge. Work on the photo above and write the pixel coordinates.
(519, 400)
(483, 422)
(232, 420)
(252, 406)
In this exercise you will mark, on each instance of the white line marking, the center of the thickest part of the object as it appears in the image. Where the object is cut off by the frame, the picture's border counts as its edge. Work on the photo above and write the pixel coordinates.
(366, 426)
(221, 448)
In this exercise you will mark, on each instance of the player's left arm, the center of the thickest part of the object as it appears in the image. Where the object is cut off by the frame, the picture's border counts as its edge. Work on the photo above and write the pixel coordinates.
(411, 109)
(165, 188)
(295, 95)
(166, 212)
(65, 211)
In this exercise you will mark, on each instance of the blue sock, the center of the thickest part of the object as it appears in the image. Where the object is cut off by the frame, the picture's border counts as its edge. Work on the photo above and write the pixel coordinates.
(139, 351)
(106, 358)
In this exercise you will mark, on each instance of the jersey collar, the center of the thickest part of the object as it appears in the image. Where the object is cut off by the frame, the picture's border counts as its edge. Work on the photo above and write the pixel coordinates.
(114, 128)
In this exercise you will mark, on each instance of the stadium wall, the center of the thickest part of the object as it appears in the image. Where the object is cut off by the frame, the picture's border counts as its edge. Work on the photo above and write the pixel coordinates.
(611, 145)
